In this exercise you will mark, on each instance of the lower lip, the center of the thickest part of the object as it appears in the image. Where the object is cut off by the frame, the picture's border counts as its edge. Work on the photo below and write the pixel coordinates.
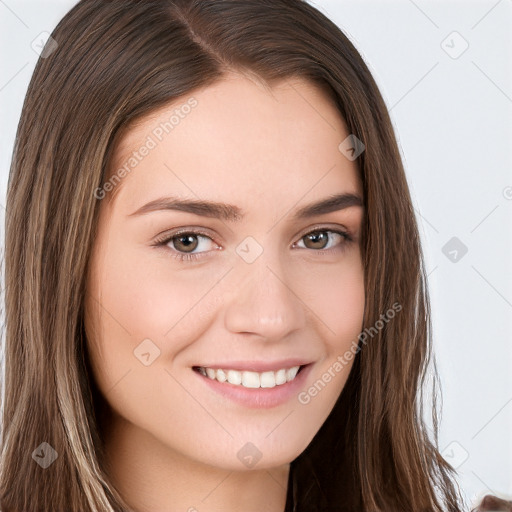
(259, 398)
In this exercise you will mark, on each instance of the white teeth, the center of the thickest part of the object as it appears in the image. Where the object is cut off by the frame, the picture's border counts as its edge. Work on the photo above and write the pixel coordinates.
(252, 379)
(281, 376)
(234, 377)
(267, 379)
(291, 372)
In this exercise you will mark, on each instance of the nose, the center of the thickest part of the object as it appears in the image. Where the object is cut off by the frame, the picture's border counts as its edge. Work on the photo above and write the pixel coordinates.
(264, 302)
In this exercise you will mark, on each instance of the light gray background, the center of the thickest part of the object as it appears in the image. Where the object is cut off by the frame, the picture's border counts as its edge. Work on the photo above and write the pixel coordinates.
(452, 115)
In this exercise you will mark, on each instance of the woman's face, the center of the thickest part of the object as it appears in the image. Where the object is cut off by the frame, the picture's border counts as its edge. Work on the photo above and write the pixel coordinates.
(258, 287)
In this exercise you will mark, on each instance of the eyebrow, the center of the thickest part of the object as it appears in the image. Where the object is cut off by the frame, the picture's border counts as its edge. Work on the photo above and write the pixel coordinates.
(232, 213)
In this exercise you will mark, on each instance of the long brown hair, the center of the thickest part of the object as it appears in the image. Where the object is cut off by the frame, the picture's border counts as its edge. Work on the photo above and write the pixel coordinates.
(114, 62)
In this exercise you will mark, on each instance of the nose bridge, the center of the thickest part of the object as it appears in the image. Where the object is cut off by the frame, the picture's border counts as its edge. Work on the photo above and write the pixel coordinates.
(263, 300)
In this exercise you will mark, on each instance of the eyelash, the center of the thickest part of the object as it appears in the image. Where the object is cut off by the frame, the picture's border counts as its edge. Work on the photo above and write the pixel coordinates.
(165, 239)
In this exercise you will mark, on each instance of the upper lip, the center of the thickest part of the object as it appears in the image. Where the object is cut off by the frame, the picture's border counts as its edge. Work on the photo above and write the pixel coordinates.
(257, 366)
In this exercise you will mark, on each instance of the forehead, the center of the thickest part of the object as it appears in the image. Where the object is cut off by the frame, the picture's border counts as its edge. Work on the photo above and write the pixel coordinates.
(237, 140)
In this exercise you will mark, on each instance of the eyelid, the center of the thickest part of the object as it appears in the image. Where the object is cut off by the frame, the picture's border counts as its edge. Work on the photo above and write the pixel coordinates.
(166, 236)
(325, 227)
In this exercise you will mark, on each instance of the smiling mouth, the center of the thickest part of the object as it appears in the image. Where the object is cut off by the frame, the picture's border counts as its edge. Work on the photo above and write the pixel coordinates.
(249, 379)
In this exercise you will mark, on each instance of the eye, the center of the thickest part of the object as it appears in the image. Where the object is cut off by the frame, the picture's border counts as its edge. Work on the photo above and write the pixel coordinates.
(183, 243)
(320, 238)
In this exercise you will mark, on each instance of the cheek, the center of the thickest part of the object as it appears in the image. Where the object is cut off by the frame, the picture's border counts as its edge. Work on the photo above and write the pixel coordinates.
(152, 298)
(335, 294)
(338, 309)
(342, 306)
(143, 310)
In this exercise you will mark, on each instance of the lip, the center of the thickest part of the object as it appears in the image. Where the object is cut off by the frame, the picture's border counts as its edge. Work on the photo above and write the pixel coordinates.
(256, 366)
(259, 398)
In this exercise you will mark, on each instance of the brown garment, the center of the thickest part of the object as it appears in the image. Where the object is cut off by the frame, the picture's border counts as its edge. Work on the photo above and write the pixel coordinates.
(493, 504)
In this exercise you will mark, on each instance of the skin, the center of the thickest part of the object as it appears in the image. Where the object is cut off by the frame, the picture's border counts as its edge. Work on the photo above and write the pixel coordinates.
(172, 442)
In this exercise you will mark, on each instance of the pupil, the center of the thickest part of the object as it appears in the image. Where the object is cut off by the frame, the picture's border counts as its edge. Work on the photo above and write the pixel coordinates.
(188, 240)
(318, 238)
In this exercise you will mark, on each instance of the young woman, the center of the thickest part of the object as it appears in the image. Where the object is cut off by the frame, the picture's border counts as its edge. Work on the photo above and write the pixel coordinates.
(215, 292)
